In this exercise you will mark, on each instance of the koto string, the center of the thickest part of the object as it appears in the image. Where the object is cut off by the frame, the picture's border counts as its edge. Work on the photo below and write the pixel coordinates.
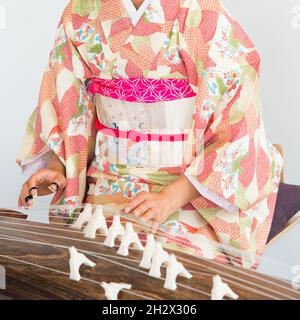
(81, 232)
(84, 240)
(111, 211)
(64, 273)
(54, 223)
(93, 242)
(225, 260)
(88, 252)
(230, 252)
(101, 258)
(60, 229)
(134, 269)
(60, 246)
(221, 247)
(135, 221)
(97, 255)
(227, 249)
(63, 247)
(92, 253)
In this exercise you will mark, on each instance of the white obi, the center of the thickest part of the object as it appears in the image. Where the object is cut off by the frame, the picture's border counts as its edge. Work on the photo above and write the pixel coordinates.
(143, 134)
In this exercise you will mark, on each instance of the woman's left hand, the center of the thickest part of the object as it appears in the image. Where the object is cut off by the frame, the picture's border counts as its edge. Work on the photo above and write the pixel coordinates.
(156, 207)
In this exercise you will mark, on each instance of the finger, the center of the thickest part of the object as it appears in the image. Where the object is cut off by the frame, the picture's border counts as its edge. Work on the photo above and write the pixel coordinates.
(143, 208)
(158, 223)
(33, 183)
(33, 188)
(140, 198)
(59, 182)
(38, 181)
(24, 193)
(149, 215)
(155, 227)
(21, 202)
(48, 177)
(54, 187)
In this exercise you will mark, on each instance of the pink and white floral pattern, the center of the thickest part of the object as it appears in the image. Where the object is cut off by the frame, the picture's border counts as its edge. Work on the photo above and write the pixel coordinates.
(176, 50)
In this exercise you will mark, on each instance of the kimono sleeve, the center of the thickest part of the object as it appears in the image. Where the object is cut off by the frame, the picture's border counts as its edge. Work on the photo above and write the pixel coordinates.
(235, 165)
(62, 121)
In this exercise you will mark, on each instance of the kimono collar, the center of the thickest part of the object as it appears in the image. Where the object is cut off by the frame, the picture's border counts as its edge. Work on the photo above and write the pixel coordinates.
(133, 13)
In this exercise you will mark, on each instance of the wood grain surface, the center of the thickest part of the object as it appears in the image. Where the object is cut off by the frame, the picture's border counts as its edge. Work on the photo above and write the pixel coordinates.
(36, 259)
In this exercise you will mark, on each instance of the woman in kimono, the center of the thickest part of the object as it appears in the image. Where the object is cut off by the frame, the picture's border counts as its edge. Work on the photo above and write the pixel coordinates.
(157, 107)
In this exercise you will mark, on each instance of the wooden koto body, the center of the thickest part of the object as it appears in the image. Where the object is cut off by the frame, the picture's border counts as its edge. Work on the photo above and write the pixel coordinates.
(36, 259)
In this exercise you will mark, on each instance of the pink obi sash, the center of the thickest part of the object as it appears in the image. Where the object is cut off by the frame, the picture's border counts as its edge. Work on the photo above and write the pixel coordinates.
(141, 89)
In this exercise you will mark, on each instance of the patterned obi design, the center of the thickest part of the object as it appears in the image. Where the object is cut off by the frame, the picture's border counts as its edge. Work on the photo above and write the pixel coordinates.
(141, 89)
(143, 122)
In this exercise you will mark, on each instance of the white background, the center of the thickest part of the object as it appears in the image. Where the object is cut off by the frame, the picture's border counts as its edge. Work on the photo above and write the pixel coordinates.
(26, 42)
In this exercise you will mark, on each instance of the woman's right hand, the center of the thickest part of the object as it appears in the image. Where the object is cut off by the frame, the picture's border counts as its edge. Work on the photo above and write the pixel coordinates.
(42, 183)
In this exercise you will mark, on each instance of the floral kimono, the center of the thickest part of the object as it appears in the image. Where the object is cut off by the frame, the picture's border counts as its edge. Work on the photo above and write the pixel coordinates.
(133, 99)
